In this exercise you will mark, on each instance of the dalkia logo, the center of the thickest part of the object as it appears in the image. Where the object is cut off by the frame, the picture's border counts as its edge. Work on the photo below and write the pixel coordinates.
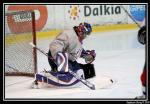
(138, 12)
(74, 12)
(89, 10)
(101, 10)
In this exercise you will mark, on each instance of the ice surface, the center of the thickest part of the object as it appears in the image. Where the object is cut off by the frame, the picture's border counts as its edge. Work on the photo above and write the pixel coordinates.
(119, 57)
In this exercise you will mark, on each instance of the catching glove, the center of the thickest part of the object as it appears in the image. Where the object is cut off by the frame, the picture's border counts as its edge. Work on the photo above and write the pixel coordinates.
(89, 56)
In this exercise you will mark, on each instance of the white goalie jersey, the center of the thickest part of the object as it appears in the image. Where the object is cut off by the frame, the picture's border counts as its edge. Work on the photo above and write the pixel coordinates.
(68, 42)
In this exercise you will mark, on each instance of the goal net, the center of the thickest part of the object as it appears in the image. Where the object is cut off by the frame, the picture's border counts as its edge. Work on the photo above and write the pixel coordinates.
(20, 57)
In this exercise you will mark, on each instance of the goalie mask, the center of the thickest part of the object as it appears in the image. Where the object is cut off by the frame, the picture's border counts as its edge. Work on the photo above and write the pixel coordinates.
(85, 28)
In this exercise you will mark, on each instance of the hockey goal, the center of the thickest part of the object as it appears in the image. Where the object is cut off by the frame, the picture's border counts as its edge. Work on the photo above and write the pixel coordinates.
(20, 57)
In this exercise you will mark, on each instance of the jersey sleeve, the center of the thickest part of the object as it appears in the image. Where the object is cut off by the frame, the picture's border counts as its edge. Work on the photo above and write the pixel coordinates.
(59, 44)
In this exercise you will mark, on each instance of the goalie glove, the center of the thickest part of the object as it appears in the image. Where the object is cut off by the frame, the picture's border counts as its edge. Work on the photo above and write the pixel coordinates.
(89, 56)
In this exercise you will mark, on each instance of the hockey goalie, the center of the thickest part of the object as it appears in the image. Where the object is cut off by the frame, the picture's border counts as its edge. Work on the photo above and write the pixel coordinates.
(63, 53)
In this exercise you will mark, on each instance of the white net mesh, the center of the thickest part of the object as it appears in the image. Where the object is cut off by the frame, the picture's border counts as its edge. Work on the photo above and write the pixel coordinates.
(19, 56)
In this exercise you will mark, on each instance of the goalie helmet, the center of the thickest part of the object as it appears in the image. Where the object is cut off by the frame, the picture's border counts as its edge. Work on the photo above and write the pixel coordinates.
(85, 28)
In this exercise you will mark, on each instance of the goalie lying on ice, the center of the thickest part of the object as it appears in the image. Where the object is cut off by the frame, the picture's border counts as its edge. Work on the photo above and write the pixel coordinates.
(63, 53)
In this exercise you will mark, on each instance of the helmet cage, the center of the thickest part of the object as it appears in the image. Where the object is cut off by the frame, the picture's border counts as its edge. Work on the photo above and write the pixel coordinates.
(85, 28)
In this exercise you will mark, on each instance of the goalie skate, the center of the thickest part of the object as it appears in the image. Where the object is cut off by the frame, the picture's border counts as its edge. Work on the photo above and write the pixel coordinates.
(38, 84)
(35, 85)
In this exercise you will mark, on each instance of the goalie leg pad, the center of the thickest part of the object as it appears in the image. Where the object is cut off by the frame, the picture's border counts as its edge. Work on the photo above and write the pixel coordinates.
(59, 79)
(89, 70)
(62, 62)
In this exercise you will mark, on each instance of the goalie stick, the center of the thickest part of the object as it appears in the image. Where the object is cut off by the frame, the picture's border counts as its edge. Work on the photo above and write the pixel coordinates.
(85, 82)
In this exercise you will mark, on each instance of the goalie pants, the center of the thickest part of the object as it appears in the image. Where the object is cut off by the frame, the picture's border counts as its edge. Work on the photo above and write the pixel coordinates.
(88, 69)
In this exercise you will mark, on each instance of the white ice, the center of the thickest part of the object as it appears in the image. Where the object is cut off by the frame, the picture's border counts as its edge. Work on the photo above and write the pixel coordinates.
(119, 57)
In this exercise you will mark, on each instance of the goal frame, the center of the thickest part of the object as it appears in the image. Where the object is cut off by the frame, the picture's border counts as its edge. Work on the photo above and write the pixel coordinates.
(34, 52)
